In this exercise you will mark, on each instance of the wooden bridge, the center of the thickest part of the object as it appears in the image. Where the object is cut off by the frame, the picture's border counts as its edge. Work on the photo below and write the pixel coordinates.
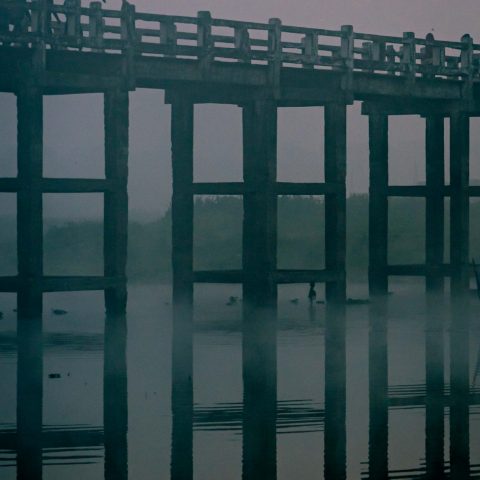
(52, 49)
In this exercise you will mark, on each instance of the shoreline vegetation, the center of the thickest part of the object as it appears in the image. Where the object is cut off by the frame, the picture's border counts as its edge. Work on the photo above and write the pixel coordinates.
(75, 247)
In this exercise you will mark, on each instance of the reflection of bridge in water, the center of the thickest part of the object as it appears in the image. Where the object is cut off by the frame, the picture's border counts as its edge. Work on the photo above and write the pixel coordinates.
(65, 49)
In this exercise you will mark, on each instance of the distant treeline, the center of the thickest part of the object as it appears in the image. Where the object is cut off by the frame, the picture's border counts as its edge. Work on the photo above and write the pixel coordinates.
(75, 248)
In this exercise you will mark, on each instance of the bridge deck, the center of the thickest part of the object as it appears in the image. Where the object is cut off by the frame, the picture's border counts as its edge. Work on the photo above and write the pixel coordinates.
(81, 49)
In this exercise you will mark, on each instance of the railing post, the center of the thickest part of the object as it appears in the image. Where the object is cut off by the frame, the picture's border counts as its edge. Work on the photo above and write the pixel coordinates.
(310, 49)
(242, 43)
(346, 53)
(129, 37)
(466, 66)
(96, 26)
(409, 56)
(73, 28)
(168, 36)
(204, 41)
(39, 27)
(275, 54)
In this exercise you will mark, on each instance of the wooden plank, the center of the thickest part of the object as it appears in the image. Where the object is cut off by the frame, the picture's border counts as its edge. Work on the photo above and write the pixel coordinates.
(116, 118)
(29, 201)
(378, 204)
(407, 191)
(78, 185)
(306, 188)
(305, 276)
(218, 276)
(9, 284)
(80, 283)
(474, 190)
(218, 188)
(8, 185)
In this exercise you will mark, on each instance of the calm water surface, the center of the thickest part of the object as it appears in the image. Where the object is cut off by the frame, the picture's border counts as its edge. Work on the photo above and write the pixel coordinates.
(79, 443)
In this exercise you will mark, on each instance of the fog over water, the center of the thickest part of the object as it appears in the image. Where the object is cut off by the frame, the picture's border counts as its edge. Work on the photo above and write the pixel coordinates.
(75, 388)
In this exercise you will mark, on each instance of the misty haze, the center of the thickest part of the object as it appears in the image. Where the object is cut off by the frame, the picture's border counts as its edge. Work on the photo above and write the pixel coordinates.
(239, 240)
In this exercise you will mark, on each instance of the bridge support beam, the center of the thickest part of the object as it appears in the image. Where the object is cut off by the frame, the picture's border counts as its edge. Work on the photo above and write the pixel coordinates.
(378, 204)
(259, 290)
(459, 329)
(182, 268)
(335, 203)
(335, 248)
(116, 200)
(434, 282)
(435, 209)
(30, 201)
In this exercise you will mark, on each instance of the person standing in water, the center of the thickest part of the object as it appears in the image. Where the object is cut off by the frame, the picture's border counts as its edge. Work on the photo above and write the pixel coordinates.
(312, 294)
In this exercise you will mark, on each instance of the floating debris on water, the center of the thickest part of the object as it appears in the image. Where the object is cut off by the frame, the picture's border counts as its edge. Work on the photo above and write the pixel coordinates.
(54, 375)
(59, 311)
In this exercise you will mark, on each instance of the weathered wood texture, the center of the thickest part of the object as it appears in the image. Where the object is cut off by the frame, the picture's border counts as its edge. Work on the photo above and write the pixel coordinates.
(378, 204)
(459, 201)
(260, 203)
(29, 201)
(335, 203)
(182, 268)
(116, 201)
(259, 290)
(435, 209)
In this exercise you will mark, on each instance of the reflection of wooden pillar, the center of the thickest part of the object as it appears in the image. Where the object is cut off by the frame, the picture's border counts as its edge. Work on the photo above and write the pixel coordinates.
(378, 203)
(459, 201)
(115, 405)
(335, 392)
(29, 399)
(434, 402)
(116, 201)
(259, 291)
(182, 268)
(29, 201)
(378, 390)
(335, 203)
(435, 180)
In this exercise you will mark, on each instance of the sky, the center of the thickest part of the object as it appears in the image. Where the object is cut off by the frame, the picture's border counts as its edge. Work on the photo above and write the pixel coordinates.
(73, 138)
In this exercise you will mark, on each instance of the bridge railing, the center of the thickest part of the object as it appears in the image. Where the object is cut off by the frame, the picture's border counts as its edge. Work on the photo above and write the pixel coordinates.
(69, 25)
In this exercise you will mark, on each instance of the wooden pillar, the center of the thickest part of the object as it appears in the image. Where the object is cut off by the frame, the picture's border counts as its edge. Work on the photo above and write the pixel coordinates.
(259, 290)
(459, 202)
(29, 399)
(29, 201)
(182, 268)
(335, 248)
(459, 322)
(335, 203)
(434, 334)
(378, 204)
(435, 180)
(116, 202)
(115, 404)
(378, 287)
